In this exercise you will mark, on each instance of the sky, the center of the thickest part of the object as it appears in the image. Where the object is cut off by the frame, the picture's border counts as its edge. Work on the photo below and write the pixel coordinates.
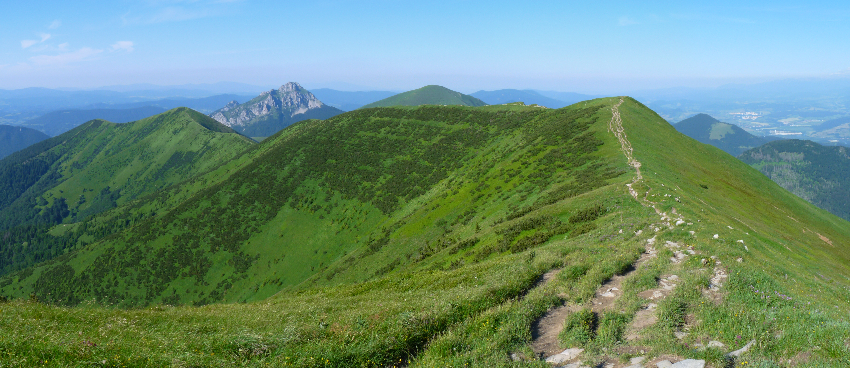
(571, 46)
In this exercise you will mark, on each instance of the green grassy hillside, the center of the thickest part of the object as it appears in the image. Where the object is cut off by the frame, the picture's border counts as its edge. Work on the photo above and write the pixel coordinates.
(428, 95)
(96, 167)
(813, 172)
(323, 190)
(437, 236)
(727, 137)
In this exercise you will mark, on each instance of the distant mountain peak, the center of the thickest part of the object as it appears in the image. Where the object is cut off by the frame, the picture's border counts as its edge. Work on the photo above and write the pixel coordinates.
(230, 105)
(273, 110)
(728, 137)
(428, 95)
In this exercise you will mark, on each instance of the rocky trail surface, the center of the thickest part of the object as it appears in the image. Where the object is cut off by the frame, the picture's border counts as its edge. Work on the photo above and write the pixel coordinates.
(545, 330)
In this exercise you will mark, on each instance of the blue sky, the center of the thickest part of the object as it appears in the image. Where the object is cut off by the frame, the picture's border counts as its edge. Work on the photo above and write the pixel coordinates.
(586, 46)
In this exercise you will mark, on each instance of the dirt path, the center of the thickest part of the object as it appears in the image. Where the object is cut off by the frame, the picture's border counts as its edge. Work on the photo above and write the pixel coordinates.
(615, 126)
(545, 330)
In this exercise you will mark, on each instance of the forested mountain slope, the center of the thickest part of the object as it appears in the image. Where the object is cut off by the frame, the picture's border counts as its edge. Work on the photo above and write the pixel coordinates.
(96, 167)
(816, 173)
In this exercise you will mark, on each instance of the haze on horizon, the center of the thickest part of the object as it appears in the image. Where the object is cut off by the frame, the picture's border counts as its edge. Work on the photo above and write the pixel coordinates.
(592, 47)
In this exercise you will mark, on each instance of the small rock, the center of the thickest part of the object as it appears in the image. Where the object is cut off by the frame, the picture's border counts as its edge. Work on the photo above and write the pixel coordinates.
(621, 231)
(689, 363)
(716, 236)
(746, 248)
(574, 365)
(680, 334)
(515, 357)
(692, 232)
(556, 359)
(742, 350)
(564, 356)
(704, 261)
(638, 232)
(637, 360)
(740, 260)
(716, 344)
(680, 222)
(730, 228)
(664, 364)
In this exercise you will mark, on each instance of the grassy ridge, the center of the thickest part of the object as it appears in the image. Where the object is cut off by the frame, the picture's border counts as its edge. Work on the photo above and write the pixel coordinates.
(467, 294)
(360, 183)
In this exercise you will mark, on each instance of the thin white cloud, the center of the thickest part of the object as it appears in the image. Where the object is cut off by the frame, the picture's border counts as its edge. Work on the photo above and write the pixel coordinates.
(55, 24)
(28, 43)
(82, 54)
(63, 46)
(123, 45)
(626, 21)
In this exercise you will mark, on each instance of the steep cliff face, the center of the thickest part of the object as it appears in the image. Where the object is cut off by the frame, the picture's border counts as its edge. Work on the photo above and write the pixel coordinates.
(273, 110)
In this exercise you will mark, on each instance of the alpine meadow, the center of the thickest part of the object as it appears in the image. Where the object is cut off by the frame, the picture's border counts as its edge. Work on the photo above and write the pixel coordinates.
(513, 235)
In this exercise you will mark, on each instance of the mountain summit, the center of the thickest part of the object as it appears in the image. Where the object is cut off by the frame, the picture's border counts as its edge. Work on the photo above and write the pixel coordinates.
(273, 110)
(428, 95)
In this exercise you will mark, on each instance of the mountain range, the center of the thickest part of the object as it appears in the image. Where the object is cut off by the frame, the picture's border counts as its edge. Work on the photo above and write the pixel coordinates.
(58, 122)
(348, 101)
(16, 138)
(529, 97)
(273, 110)
(419, 236)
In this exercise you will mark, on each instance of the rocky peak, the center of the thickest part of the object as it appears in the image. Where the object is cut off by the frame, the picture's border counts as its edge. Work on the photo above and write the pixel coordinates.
(294, 96)
(230, 105)
(291, 87)
(291, 99)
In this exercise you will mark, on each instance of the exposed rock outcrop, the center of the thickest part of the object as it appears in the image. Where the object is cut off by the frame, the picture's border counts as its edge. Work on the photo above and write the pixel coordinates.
(273, 110)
